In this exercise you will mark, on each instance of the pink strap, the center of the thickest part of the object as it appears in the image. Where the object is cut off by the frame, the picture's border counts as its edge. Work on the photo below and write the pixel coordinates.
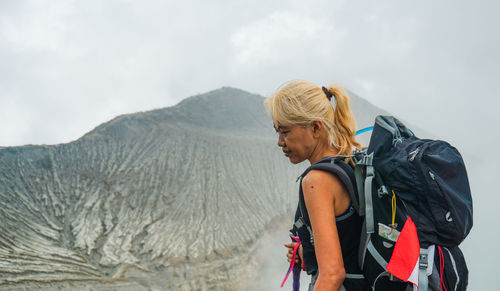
(441, 269)
(294, 256)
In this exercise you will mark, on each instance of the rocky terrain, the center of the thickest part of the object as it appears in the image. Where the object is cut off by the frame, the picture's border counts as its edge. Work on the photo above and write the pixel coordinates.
(169, 199)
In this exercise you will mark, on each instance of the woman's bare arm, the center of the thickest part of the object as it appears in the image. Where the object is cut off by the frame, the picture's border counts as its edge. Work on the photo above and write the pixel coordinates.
(323, 193)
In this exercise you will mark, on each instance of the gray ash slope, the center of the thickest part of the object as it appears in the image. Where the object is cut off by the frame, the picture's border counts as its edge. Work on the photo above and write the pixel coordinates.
(179, 194)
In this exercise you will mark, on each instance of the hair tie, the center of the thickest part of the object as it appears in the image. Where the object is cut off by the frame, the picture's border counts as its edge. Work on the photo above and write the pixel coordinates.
(328, 94)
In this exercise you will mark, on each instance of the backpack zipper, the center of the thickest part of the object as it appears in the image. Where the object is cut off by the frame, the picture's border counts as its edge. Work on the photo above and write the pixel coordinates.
(413, 154)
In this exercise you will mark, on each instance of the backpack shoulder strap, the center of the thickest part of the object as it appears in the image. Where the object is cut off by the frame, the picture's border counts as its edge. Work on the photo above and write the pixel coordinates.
(341, 170)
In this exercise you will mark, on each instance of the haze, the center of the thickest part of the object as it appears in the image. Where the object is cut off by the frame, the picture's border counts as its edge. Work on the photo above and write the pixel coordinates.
(68, 66)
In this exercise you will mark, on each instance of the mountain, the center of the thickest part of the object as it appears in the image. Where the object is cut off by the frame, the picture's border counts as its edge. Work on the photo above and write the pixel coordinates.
(169, 199)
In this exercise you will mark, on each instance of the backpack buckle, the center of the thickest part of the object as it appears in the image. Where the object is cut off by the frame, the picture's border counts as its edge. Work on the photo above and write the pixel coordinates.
(358, 155)
(299, 223)
(362, 158)
(382, 191)
(423, 259)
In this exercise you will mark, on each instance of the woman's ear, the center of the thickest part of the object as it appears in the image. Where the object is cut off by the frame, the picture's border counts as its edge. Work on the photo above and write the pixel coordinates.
(317, 128)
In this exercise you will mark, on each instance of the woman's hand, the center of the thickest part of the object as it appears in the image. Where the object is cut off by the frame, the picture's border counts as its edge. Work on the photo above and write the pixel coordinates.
(289, 254)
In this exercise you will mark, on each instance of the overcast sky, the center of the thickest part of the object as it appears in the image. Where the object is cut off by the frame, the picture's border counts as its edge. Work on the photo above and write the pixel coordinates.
(68, 66)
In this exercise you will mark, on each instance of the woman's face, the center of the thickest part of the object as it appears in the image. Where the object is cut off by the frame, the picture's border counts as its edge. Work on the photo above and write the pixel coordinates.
(296, 141)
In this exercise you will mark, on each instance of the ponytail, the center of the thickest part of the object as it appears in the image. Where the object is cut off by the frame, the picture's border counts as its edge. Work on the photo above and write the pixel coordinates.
(344, 123)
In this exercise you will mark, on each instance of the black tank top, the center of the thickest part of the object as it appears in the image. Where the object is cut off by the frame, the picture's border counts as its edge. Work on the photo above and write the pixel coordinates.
(349, 229)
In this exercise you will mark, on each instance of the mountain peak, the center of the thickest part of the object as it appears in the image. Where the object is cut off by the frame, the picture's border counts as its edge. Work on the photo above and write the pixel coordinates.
(228, 110)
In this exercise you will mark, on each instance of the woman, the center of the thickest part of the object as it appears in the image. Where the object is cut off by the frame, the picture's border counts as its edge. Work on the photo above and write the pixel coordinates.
(311, 128)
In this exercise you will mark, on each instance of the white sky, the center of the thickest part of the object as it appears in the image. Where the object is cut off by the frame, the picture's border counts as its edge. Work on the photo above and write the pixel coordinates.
(68, 66)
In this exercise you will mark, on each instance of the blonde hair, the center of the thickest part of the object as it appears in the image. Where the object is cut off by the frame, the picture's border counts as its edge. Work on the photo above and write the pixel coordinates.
(302, 102)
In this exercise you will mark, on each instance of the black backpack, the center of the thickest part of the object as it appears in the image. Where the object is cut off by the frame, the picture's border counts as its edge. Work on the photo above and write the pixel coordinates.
(425, 180)
(400, 176)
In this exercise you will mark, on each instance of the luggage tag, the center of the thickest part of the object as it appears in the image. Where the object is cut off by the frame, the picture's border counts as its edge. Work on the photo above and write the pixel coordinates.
(388, 232)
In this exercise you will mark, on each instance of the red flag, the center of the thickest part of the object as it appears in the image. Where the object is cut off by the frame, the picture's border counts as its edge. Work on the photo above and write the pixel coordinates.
(405, 257)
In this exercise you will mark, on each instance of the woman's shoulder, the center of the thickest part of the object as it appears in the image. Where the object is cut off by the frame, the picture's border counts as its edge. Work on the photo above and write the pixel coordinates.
(321, 179)
(325, 188)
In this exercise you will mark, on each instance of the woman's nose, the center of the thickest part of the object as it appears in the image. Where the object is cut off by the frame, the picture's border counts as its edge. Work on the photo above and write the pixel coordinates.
(281, 141)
